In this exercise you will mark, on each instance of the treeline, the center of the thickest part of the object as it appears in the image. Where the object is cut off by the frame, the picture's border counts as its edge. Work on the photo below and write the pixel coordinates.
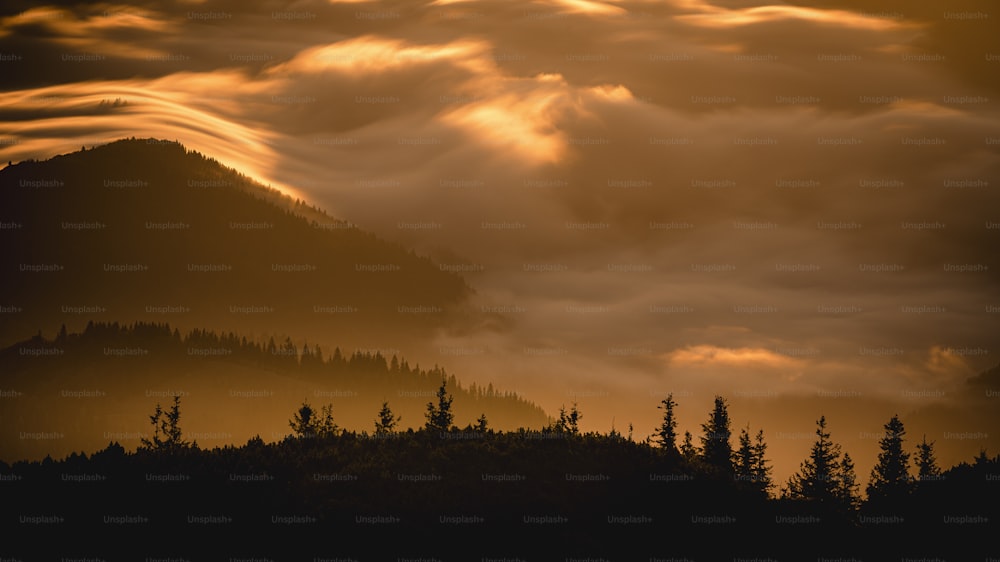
(157, 341)
(556, 490)
(825, 479)
(238, 386)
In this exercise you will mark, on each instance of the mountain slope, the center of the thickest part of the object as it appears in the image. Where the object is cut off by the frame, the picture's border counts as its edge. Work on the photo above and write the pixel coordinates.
(146, 230)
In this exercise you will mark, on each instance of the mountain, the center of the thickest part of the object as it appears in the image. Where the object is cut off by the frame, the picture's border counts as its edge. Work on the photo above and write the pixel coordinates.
(80, 391)
(145, 230)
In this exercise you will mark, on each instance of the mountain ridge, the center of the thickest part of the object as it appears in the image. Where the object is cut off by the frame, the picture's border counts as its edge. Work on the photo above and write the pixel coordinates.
(143, 229)
(103, 382)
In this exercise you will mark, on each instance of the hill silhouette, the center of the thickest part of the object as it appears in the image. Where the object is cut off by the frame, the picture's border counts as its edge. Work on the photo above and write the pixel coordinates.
(99, 385)
(143, 229)
(463, 494)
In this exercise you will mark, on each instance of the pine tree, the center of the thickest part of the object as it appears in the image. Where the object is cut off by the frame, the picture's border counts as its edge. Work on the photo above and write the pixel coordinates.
(668, 429)
(614, 434)
(303, 422)
(568, 422)
(156, 442)
(927, 467)
(173, 428)
(688, 450)
(166, 429)
(385, 423)
(817, 478)
(744, 458)
(326, 426)
(760, 470)
(573, 420)
(715, 446)
(307, 423)
(481, 424)
(439, 418)
(289, 351)
(890, 478)
(847, 484)
(750, 464)
(559, 425)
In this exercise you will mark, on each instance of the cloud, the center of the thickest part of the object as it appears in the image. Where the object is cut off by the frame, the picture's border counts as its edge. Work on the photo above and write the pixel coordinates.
(655, 195)
(373, 55)
(98, 31)
(64, 117)
(717, 17)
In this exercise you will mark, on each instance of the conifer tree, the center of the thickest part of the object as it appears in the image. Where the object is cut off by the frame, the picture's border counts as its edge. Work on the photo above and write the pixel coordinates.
(167, 435)
(744, 461)
(568, 422)
(927, 468)
(688, 450)
(304, 422)
(307, 423)
(847, 484)
(760, 470)
(890, 478)
(750, 465)
(817, 478)
(439, 417)
(386, 421)
(715, 447)
(667, 431)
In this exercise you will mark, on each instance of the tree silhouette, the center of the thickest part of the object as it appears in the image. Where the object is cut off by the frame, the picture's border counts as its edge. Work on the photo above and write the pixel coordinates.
(750, 465)
(439, 418)
(156, 443)
(288, 352)
(890, 478)
(688, 450)
(667, 431)
(847, 484)
(715, 447)
(481, 424)
(968, 488)
(927, 468)
(327, 427)
(817, 478)
(568, 422)
(166, 429)
(573, 420)
(743, 465)
(614, 433)
(303, 422)
(385, 423)
(306, 423)
(759, 469)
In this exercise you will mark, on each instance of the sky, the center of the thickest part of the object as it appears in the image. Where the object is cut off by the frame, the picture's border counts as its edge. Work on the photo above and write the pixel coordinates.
(792, 205)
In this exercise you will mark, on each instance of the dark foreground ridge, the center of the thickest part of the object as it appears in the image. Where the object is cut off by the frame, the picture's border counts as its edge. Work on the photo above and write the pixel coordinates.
(444, 493)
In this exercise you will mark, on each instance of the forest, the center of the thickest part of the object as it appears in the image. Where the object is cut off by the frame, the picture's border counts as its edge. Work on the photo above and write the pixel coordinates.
(95, 386)
(445, 492)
